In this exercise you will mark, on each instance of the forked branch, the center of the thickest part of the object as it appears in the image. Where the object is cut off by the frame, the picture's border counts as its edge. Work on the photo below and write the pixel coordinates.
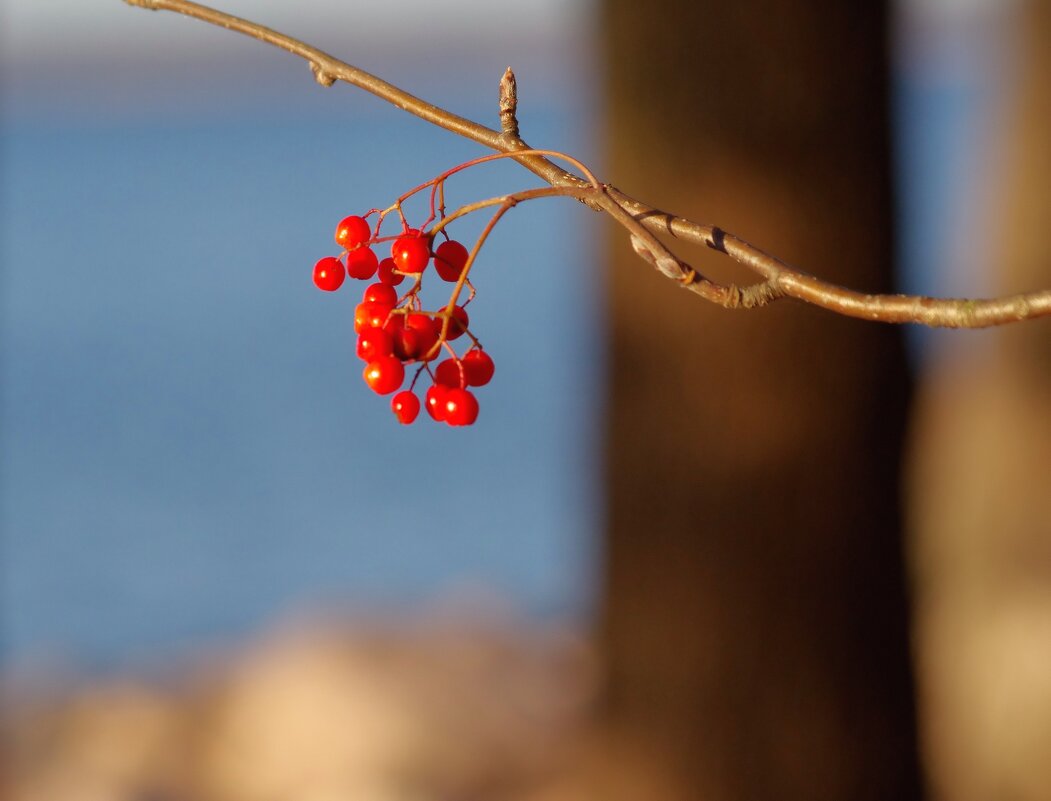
(777, 279)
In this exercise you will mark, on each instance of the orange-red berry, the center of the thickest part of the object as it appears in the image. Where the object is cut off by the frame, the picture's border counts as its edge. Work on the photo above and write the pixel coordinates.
(434, 400)
(370, 315)
(380, 293)
(449, 260)
(411, 252)
(449, 374)
(458, 323)
(461, 407)
(384, 375)
(362, 263)
(352, 231)
(373, 343)
(428, 330)
(406, 406)
(386, 273)
(478, 368)
(329, 273)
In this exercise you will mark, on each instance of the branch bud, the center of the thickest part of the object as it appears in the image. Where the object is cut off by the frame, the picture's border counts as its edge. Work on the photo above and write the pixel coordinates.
(509, 104)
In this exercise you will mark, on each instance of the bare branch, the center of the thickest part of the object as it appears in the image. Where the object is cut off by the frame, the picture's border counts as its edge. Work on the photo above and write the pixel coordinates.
(642, 221)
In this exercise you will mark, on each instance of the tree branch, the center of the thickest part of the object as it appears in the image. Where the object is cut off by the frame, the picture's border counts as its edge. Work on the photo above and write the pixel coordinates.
(642, 221)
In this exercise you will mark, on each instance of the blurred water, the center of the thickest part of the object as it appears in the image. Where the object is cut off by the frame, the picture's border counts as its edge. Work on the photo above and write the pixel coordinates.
(188, 447)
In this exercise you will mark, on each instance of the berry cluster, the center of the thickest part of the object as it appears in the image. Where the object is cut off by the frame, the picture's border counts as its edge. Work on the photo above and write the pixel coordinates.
(396, 331)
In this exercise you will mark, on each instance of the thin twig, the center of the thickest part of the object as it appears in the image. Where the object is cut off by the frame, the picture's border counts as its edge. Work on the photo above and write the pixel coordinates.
(642, 221)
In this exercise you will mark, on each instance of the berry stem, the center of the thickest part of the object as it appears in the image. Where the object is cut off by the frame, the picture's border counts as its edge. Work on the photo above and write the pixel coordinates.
(437, 184)
(439, 181)
(415, 378)
(516, 198)
(509, 203)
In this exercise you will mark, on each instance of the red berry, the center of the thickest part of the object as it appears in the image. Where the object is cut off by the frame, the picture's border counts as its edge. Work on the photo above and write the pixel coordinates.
(329, 273)
(373, 343)
(353, 231)
(418, 321)
(435, 402)
(405, 406)
(449, 260)
(406, 343)
(370, 315)
(384, 375)
(428, 330)
(423, 322)
(411, 252)
(406, 340)
(478, 368)
(387, 274)
(381, 293)
(458, 323)
(362, 263)
(448, 374)
(461, 407)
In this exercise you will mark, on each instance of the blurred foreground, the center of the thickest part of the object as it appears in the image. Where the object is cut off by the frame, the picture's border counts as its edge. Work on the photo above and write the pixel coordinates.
(440, 709)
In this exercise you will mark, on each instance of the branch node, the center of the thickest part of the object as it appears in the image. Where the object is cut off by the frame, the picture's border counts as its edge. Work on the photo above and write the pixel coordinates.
(320, 75)
(756, 295)
(509, 104)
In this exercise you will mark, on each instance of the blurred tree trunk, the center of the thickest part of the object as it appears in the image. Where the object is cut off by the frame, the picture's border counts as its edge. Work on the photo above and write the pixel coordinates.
(755, 616)
(982, 485)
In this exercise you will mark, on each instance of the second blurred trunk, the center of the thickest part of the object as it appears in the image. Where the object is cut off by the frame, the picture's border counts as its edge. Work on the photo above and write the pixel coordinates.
(981, 485)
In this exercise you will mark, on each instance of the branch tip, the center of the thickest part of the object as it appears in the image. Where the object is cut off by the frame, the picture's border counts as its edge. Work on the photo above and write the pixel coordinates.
(509, 104)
